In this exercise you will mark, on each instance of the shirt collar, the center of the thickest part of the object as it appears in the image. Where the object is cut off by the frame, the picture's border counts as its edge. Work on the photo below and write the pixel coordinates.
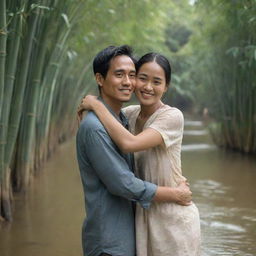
(121, 118)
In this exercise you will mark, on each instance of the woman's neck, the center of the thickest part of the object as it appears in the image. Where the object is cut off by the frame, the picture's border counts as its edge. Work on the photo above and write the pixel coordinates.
(147, 111)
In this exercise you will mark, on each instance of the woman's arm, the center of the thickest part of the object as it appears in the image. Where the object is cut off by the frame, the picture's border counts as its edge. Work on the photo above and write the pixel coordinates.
(125, 140)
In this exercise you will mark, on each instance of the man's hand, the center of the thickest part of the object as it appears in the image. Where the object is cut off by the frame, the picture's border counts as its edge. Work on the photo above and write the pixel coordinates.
(183, 194)
(180, 195)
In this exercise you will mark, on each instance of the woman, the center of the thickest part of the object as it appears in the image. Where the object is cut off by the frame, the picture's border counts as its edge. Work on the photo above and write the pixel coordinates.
(156, 134)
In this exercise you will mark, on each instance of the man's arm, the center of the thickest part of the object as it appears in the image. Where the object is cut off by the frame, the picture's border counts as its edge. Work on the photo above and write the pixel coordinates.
(112, 169)
(180, 195)
(114, 172)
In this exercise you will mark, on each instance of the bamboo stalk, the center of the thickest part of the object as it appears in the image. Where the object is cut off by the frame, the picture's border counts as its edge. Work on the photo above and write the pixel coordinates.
(20, 85)
(27, 133)
(3, 35)
(3, 38)
(11, 62)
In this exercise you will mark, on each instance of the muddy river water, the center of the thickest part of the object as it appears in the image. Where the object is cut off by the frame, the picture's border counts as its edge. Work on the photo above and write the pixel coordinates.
(47, 220)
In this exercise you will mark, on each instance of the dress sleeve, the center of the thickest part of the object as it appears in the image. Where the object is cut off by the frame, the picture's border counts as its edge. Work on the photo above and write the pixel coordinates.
(169, 124)
(114, 171)
(129, 110)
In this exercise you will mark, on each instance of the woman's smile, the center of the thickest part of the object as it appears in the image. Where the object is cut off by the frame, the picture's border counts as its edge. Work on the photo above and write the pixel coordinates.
(150, 84)
(146, 94)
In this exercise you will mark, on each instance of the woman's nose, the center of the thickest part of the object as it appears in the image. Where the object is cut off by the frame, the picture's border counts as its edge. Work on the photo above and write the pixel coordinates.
(148, 86)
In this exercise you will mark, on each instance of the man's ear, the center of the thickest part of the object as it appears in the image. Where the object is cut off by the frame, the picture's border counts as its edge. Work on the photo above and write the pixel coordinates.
(99, 79)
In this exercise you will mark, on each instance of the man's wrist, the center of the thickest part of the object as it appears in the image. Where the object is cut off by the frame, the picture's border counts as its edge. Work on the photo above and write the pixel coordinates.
(165, 194)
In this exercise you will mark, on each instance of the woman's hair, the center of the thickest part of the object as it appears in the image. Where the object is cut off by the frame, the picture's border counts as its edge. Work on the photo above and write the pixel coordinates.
(160, 60)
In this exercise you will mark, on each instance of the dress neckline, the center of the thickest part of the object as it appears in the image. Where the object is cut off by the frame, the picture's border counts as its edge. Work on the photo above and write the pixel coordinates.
(160, 109)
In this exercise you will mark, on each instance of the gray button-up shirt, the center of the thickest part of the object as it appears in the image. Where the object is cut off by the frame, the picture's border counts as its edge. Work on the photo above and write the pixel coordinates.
(109, 188)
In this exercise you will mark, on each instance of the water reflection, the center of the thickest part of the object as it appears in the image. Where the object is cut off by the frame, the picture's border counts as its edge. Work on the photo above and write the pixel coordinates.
(194, 147)
(48, 221)
(193, 123)
(222, 185)
(196, 132)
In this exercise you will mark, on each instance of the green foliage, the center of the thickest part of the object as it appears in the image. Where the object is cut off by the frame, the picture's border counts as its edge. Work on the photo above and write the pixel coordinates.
(224, 46)
(50, 45)
(177, 33)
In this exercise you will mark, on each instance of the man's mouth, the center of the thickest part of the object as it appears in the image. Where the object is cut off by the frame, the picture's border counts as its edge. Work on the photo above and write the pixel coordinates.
(126, 91)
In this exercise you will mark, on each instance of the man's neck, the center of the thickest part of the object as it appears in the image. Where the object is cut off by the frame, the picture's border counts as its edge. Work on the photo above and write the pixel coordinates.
(114, 105)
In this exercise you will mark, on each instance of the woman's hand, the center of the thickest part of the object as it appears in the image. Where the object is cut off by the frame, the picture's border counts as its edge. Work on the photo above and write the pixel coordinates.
(87, 103)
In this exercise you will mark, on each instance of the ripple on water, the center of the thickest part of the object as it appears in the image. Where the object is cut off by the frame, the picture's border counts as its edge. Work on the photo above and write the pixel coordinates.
(213, 190)
(227, 226)
(196, 132)
(249, 218)
(193, 123)
(209, 187)
(198, 147)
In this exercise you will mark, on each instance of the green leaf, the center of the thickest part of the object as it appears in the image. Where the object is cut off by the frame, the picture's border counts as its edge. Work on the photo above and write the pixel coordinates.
(65, 17)
(234, 51)
(34, 6)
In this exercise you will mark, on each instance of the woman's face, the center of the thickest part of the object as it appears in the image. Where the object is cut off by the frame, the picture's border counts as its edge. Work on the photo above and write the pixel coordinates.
(150, 84)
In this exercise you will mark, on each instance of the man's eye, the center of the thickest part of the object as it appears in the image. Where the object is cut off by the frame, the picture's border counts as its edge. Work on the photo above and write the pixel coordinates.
(132, 75)
(119, 74)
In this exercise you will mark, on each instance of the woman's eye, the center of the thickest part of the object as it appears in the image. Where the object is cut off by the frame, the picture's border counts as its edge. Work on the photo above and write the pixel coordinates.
(142, 78)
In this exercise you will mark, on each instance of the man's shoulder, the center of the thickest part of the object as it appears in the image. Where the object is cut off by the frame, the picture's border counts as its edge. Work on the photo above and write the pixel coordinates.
(91, 122)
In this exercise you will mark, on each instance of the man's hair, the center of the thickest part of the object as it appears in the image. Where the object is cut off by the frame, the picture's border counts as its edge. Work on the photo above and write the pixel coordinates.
(102, 60)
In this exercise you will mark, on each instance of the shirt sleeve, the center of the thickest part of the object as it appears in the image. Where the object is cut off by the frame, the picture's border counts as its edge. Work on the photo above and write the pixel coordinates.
(113, 170)
(169, 124)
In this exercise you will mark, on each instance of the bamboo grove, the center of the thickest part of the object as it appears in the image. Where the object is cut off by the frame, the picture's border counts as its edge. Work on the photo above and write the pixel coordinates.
(30, 68)
(46, 51)
(215, 68)
(224, 65)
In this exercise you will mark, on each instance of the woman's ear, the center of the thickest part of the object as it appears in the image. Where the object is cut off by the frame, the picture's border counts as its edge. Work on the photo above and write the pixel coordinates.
(99, 79)
(166, 88)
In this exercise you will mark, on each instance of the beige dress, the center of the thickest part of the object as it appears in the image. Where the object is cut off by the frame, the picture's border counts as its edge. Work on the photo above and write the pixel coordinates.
(165, 229)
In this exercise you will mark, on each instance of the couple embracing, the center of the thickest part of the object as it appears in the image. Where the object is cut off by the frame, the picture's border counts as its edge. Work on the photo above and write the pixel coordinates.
(137, 201)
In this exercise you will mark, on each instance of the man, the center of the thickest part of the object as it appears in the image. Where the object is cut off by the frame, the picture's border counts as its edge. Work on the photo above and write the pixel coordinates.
(109, 184)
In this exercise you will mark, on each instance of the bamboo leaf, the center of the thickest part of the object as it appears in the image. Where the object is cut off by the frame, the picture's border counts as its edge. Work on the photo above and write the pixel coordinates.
(234, 51)
(65, 17)
(35, 6)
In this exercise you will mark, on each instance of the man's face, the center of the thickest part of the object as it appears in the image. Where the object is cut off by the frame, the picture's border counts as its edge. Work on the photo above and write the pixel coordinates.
(120, 80)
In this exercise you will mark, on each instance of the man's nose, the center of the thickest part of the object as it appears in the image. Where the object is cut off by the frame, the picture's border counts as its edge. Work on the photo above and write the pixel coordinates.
(127, 80)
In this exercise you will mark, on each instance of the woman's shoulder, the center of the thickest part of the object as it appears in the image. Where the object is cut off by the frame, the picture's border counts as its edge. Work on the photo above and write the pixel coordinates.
(173, 112)
(128, 111)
